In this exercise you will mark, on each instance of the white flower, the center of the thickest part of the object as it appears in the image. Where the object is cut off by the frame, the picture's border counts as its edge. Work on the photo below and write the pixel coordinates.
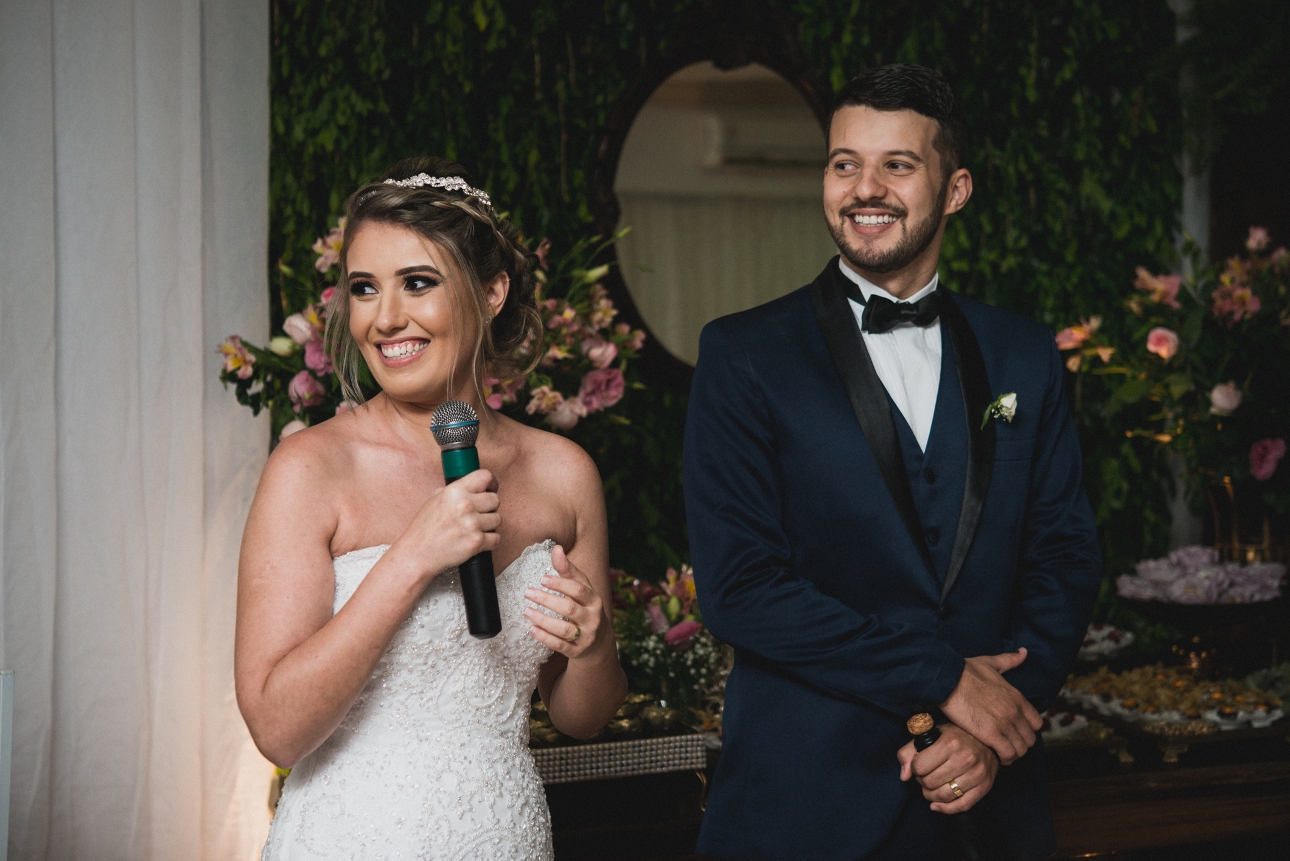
(291, 427)
(300, 329)
(282, 346)
(1003, 407)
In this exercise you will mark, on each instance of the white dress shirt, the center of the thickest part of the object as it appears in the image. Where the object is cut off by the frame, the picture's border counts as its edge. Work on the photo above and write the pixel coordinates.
(907, 359)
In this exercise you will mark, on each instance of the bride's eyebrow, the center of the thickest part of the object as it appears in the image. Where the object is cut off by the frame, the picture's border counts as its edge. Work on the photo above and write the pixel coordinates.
(408, 270)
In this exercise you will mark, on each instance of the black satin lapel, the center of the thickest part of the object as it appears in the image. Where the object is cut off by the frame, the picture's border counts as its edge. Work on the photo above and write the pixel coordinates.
(868, 397)
(975, 384)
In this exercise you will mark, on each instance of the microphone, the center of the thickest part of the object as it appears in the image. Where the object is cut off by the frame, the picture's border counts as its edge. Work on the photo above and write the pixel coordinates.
(456, 427)
(974, 833)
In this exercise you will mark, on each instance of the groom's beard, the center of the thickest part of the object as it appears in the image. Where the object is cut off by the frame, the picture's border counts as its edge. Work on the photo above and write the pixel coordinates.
(912, 243)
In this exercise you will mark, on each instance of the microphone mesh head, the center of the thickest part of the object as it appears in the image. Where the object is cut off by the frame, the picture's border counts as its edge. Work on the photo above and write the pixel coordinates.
(455, 423)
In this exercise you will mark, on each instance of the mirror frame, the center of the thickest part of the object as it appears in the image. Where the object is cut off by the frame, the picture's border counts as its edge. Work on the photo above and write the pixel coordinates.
(729, 41)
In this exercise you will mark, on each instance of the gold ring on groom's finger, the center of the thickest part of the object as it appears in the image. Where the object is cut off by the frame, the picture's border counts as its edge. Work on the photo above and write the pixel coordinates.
(954, 787)
(577, 632)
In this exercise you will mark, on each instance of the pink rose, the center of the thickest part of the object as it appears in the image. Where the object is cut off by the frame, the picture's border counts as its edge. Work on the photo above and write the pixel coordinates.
(1163, 342)
(1162, 288)
(601, 352)
(291, 427)
(1224, 399)
(566, 415)
(304, 390)
(682, 634)
(657, 621)
(1264, 456)
(300, 329)
(327, 294)
(1258, 239)
(602, 389)
(316, 358)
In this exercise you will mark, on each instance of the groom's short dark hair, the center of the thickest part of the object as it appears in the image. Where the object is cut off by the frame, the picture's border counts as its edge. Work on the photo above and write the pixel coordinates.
(900, 87)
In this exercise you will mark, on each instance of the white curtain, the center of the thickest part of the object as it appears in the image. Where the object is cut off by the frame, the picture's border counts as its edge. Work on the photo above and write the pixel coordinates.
(689, 259)
(133, 223)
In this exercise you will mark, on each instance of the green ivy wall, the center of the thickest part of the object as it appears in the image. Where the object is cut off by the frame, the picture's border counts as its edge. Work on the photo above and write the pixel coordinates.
(1074, 124)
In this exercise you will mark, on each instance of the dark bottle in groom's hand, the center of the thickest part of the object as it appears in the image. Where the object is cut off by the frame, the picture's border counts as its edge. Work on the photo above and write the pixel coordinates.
(974, 834)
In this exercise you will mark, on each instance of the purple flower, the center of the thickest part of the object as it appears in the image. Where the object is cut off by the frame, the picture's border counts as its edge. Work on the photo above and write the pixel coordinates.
(316, 358)
(1264, 456)
(304, 391)
(602, 389)
(657, 620)
(682, 634)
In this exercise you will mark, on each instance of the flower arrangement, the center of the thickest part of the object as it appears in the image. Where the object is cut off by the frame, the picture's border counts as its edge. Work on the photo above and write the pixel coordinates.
(585, 370)
(665, 647)
(1199, 364)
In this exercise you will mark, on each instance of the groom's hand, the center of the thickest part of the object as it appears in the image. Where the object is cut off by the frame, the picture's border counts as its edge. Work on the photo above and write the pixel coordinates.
(955, 757)
(985, 705)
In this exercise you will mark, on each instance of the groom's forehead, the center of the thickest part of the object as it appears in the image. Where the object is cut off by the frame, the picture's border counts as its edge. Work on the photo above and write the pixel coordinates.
(864, 130)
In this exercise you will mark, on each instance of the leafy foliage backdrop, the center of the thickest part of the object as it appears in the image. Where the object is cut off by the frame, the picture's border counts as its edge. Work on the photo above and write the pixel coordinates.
(1074, 126)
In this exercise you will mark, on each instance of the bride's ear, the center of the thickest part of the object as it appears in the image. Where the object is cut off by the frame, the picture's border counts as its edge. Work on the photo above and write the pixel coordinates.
(495, 293)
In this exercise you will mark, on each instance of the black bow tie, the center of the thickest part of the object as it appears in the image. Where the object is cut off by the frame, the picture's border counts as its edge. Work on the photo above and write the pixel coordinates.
(883, 315)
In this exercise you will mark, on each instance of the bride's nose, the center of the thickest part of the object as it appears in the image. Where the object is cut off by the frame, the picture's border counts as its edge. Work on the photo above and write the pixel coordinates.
(390, 313)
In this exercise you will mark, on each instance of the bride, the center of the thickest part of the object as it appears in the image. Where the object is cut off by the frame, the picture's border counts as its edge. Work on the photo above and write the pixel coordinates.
(408, 738)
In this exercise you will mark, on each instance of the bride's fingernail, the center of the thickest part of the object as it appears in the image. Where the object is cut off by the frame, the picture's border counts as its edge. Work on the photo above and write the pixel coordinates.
(531, 593)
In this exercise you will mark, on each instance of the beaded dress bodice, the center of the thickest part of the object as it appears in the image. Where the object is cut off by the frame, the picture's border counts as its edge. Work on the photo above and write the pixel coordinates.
(432, 759)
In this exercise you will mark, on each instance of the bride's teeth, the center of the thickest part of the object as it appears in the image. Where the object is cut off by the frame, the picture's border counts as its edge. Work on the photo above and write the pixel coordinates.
(405, 348)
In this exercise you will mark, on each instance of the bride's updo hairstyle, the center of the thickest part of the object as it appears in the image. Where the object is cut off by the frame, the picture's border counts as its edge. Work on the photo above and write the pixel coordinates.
(420, 194)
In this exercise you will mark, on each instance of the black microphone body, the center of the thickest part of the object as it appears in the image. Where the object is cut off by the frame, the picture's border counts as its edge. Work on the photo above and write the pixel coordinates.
(456, 427)
(974, 834)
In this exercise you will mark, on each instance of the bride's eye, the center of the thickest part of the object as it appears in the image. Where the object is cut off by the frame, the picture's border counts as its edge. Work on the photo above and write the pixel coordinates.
(420, 283)
(362, 288)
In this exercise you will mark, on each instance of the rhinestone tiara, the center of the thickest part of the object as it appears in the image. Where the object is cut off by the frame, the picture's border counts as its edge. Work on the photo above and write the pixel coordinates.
(448, 183)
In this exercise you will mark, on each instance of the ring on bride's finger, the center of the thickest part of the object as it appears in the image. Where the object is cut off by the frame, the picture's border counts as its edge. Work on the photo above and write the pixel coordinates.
(577, 632)
(954, 787)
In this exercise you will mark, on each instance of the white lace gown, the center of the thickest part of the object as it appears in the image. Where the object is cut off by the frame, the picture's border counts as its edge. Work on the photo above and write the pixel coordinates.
(432, 760)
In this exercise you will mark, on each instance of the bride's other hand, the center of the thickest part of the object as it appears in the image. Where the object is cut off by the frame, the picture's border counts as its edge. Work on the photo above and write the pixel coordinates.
(456, 522)
(582, 632)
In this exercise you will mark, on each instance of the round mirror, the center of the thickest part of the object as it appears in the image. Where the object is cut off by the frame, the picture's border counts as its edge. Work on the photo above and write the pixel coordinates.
(720, 181)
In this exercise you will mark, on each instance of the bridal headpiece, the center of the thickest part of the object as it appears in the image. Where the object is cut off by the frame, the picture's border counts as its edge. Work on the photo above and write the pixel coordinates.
(448, 183)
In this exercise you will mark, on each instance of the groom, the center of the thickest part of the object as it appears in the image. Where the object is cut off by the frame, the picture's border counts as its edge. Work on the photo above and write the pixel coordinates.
(886, 516)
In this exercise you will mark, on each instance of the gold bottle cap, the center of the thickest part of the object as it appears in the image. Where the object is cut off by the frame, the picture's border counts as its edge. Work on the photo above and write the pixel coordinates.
(919, 724)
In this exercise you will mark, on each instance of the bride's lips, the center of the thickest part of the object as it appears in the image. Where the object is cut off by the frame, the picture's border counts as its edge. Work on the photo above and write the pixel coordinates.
(403, 352)
(871, 222)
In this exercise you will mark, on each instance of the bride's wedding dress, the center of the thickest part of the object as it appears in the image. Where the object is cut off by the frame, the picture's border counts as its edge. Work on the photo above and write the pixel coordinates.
(432, 760)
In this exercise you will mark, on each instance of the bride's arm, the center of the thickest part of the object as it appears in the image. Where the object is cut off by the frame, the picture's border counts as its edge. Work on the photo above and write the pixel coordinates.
(297, 668)
(582, 684)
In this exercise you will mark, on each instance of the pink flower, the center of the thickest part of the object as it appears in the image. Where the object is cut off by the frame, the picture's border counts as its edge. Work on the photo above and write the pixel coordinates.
(1258, 239)
(657, 620)
(1162, 288)
(543, 249)
(494, 401)
(316, 358)
(602, 389)
(304, 391)
(682, 634)
(1163, 342)
(1069, 338)
(328, 247)
(1279, 257)
(236, 359)
(345, 406)
(294, 426)
(1264, 455)
(327, 294)
(601, 352)
(1105, 353)
(543, 400)
(301, 330)
(1233, 298)
(1224, 399)
(566, 415)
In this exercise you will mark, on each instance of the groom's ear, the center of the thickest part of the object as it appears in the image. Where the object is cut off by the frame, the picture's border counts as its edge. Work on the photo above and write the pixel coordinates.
(960, 189)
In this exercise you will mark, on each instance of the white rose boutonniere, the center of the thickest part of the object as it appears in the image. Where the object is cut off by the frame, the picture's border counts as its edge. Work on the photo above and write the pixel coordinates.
(1003, 407)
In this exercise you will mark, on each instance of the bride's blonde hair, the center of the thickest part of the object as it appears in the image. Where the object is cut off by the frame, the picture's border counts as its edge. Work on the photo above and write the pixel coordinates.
(479, 244)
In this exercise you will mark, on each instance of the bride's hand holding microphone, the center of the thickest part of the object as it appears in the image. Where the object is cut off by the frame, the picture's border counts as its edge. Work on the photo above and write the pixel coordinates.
(583, 631)
(456, 523)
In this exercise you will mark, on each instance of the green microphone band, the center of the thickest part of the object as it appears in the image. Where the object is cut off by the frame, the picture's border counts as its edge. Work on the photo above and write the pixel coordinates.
(458, 462)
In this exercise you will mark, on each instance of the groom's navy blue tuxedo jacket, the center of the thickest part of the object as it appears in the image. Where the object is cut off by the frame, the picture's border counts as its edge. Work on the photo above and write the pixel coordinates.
(853, 572)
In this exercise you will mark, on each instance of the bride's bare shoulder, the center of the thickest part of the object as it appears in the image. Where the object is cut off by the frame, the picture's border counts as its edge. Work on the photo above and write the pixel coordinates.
(556, 462)
(318, 456)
